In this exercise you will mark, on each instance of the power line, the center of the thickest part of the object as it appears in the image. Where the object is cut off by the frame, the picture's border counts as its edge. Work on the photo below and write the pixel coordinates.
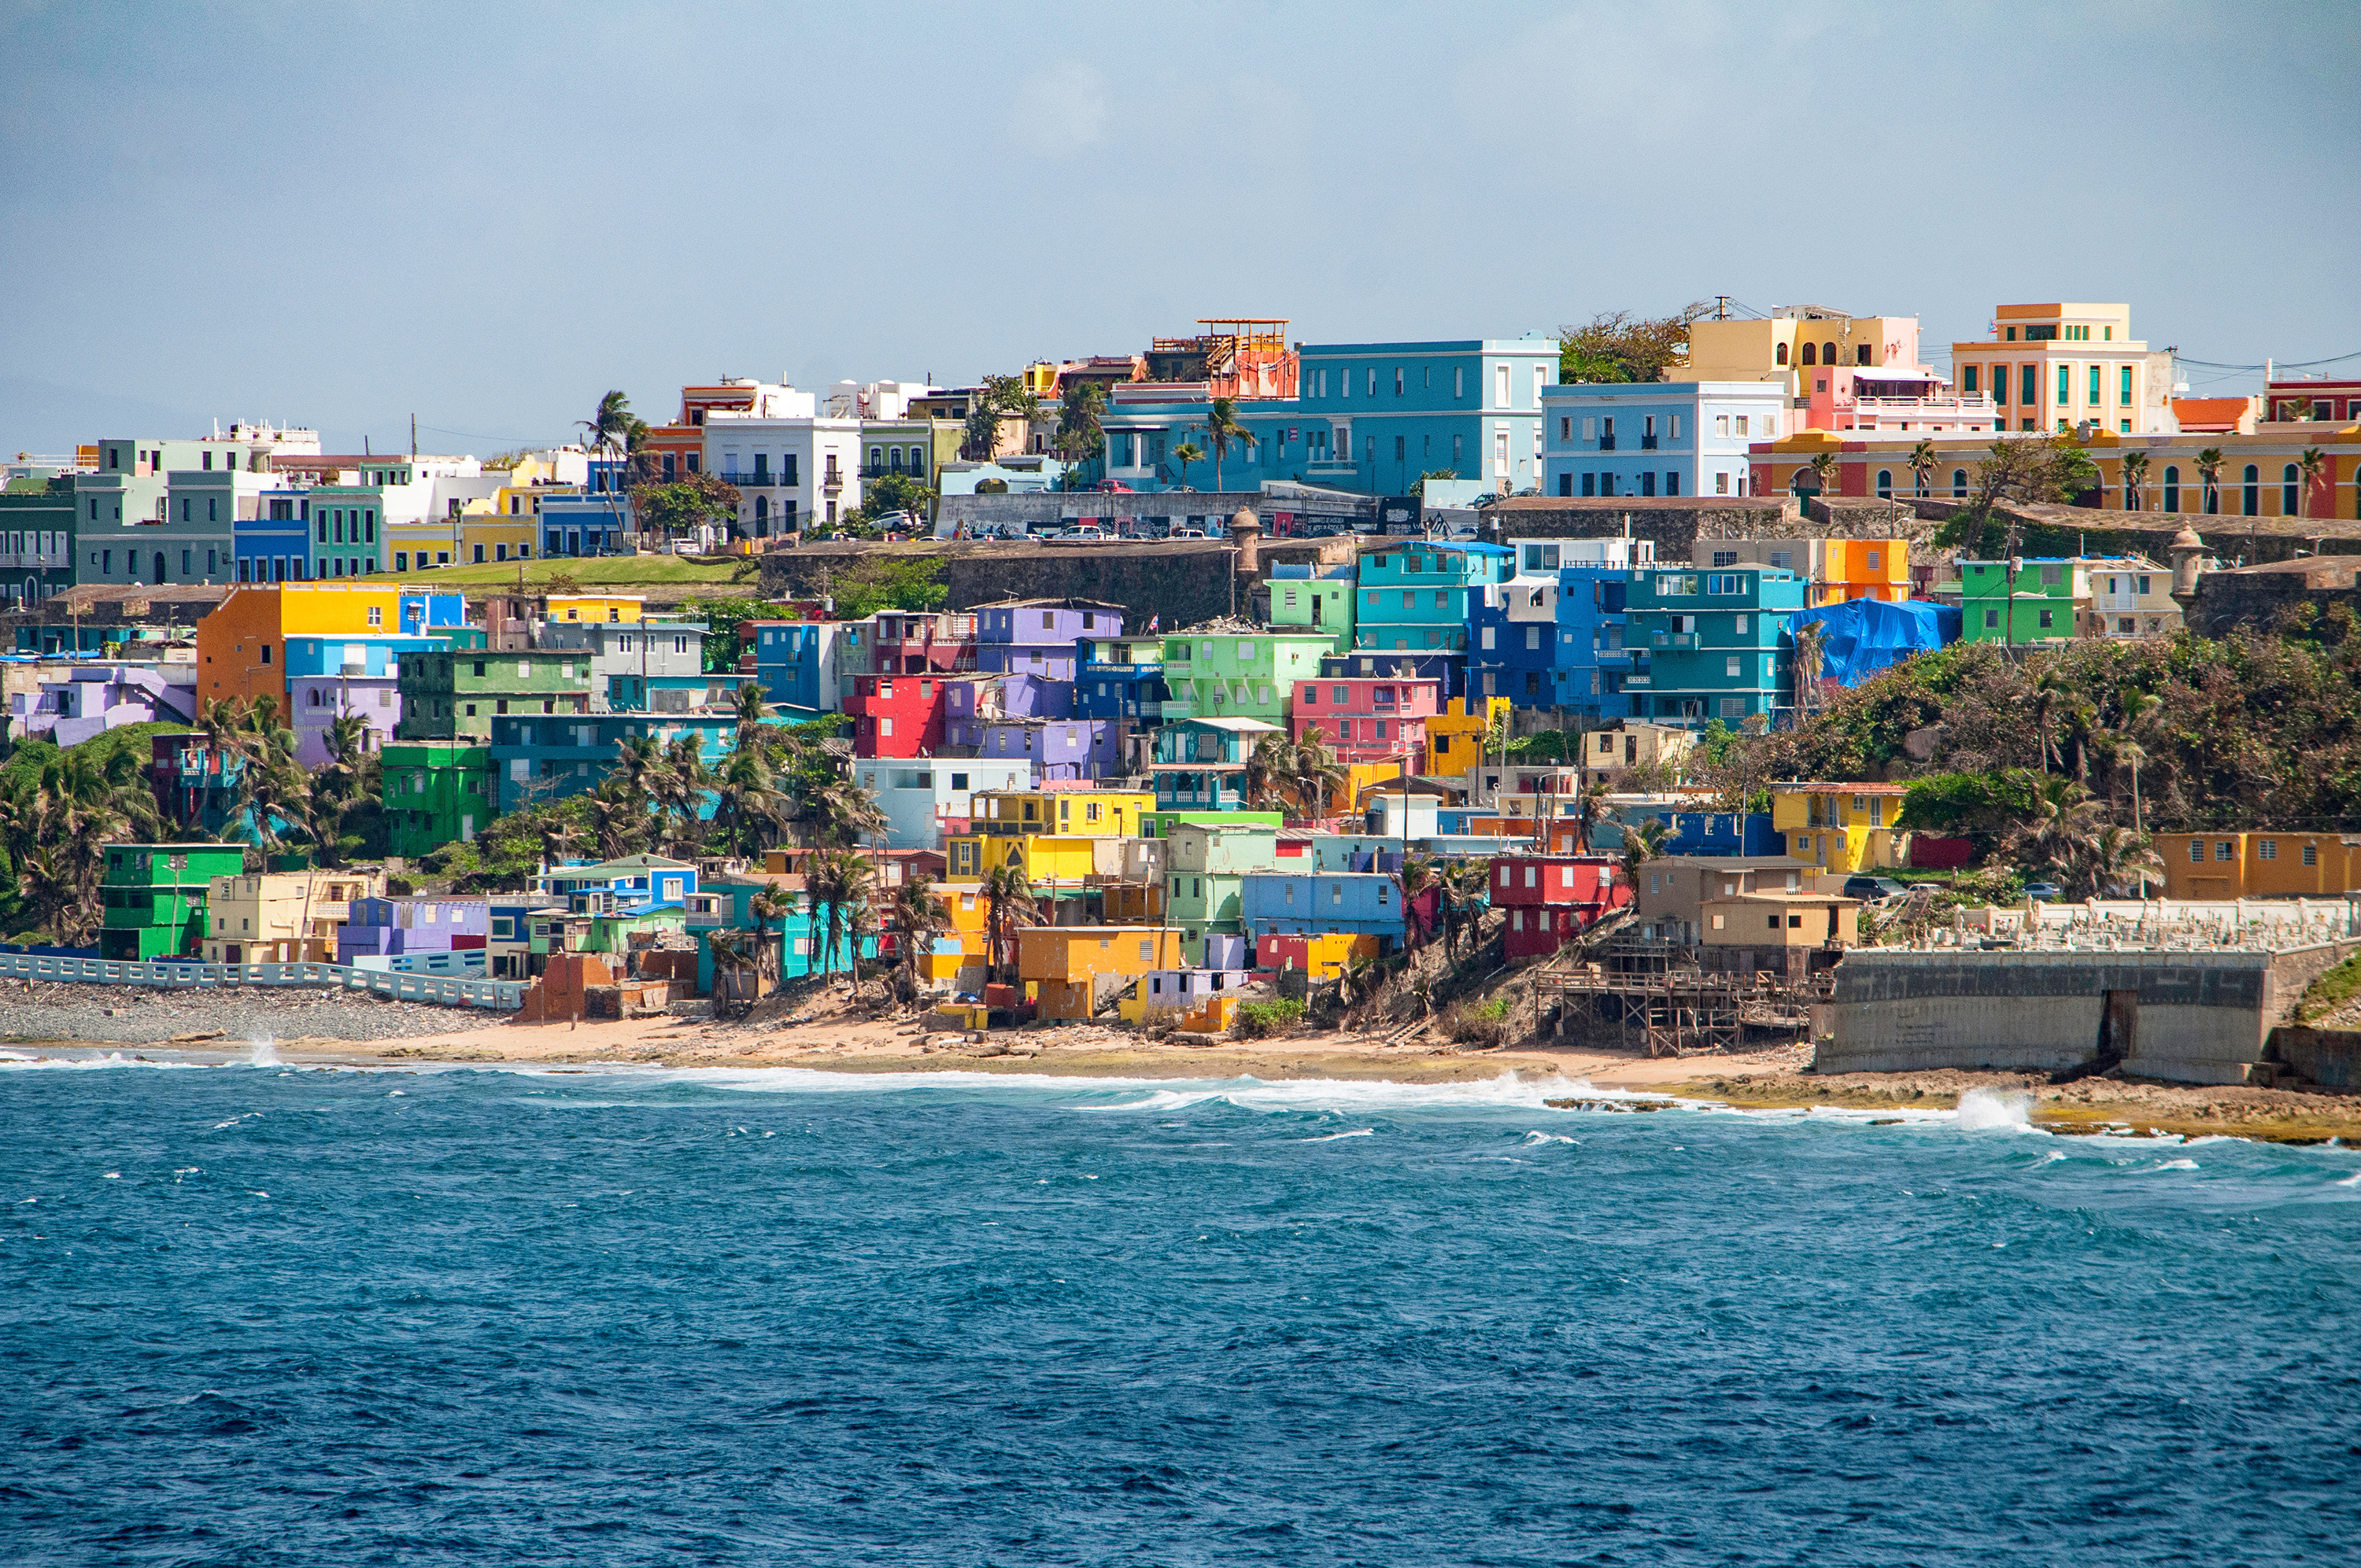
(2274, 364)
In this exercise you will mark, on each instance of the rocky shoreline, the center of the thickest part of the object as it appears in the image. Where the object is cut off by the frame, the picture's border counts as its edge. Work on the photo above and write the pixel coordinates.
(41, 1011)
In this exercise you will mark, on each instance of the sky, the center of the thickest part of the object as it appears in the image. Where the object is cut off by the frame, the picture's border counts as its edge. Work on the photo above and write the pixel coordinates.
(485, 215)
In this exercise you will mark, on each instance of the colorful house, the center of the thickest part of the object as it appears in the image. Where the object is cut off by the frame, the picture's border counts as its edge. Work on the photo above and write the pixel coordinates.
(1205, 878)
(798, 664)
(1835, 570)
(1365, 903)
(2043, 600)
(1226, 672)
(1656, 438)
(1037, 636)
(241, 646)
(328, 677)
(1717, 642)
(897, 716)
(456, 696)
(635, 884)
(1305, 598)
(1840, 827)
(1415, 596)
(280, 918)
(1081, 814)
(435, 793)
(1456, 736)
(153, 896)
(1200, 763)
(1552, 898)
(1320, 956)
(1072, 969)
(2259, 864)
(411, 933)
(1367, 720)
(925, 799)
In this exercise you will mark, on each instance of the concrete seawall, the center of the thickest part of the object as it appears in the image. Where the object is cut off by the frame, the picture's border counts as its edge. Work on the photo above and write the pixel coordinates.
(2182, 1017)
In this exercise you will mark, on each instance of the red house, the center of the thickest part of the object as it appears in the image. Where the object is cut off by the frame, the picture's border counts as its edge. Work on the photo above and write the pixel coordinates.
(1367, 718)
(908, 641)
(895, 716)
(1549, 898)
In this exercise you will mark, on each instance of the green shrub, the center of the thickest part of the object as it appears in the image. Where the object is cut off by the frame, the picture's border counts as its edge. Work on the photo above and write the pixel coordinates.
(1478, 1023)
(1256, 1019)
(2331, 991)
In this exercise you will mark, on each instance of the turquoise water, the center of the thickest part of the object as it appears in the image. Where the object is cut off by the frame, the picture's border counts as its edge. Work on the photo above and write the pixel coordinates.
(259, 1317)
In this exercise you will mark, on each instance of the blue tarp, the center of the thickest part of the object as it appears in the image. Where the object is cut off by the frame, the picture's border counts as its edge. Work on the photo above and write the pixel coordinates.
(1864, 636)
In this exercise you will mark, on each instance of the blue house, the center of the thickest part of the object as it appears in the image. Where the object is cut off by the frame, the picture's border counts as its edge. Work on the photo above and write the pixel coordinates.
(1121, 677)
(725, 904)
(543, 757)
(421, 611)
(1698, 832)
(634, 885)
(800, 666)
(1200, 763)
(1718, 643)
(1446, 665)
(1371, 417)
(1297, 903)
(1513, 639)
(592, 521)
(1416, 596)
(275, 544)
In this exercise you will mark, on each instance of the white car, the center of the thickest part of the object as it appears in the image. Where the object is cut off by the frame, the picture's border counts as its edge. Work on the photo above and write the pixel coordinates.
(1086, 534)
(1186, 533)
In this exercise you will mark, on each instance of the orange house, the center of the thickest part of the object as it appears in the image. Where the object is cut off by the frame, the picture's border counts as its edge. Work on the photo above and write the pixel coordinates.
(242, 645)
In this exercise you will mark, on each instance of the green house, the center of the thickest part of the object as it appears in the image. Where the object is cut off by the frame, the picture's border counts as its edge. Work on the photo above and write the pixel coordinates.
(1206, 867)
(436, 793)
(1225, 673)
(2045, 602)
(154, 897)
(1163, 824)
(456, 696)
(1300, 601)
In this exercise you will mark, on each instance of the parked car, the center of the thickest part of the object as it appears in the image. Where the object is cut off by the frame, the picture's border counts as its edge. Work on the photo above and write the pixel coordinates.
(2042, 891)
(1089, 533)
(1113, 487)
(1186, 533)
(1873, 889)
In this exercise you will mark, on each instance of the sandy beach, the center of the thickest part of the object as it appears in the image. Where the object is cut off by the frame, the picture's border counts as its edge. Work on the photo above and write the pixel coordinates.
(823, 1032)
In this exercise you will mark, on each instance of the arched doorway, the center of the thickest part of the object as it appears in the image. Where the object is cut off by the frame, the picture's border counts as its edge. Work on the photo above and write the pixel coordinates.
(159, 576)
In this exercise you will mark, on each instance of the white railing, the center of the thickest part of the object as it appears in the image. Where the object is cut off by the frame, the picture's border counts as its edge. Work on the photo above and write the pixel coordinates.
(505, 995)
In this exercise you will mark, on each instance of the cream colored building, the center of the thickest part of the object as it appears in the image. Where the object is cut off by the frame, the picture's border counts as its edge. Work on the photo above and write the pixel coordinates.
(2130, 598)
(2058, 367)
(279, 917)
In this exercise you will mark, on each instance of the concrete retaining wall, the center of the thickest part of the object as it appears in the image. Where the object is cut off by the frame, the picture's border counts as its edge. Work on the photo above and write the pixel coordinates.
(2330, 1058)
(503, 994)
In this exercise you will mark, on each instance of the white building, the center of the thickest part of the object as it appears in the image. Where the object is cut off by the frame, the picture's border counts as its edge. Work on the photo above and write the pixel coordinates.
(1655, 438)
(923, 797)
(2132, 598)
(794, 472)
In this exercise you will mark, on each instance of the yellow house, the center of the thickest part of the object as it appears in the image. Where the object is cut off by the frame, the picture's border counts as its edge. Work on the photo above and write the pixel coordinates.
(1049, 861)
(423, 546)
(1841, 828)
(502, 528)
(2259, 865)
(1837, 569)
(279, 918)
(1081, 814)
(1454, 737)
(1070, 966)
(577, 608)
(969, 910)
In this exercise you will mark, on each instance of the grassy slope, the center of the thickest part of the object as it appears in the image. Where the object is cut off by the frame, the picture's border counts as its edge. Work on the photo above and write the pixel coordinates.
(596, 571)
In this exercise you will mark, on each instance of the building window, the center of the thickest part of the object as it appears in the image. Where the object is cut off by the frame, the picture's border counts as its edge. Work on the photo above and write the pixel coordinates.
(2223, 849)
(2197, 852)
(2171, 487)
(1811, 354)
(1590, 484)
(2268, 850)
(2030, 385)
(2124, 391)
(2312, 854)
(2288, 501)
(2251, 494)
(1885, 484)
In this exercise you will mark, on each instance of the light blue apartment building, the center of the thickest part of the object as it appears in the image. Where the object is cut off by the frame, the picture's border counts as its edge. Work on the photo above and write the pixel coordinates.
(1371, 417)
(1717, 643)
(1416, 597)
(1656, 438)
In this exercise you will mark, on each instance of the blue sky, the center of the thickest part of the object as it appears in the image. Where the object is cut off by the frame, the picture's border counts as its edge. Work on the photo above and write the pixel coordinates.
(487, 215)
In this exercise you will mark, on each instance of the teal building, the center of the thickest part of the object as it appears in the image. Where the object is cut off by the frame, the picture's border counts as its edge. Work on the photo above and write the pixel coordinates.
(1415, 598)
(1717, 643)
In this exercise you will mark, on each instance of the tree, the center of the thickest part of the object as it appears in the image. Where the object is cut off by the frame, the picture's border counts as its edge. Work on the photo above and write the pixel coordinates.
(2109, 856)
(1811, 661)
(610, 426)
(2308, 463)
(687, 504)
(1080, 437)
(1922, 464)
(617, 817)
(766, 907)
(746, 705)
(2209, 470)
(1822, 465)
(1616, 346)
(1318, 774)
(2026, 467)
(1188, 452)
(999, 397)
(2055, 829)
(889, 495)
(1464, 884)
(889, 582)
(1642, 842)
(747, 806)
(1223, 428)
(2134, 479)
(1008, 902)
(1270, 768)
(1417, 874)
(1587, 809)
(842, 883)
(1418, 485)
(918, 916)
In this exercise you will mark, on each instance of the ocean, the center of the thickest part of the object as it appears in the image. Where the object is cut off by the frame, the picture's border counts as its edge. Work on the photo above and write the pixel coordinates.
(262, 1316)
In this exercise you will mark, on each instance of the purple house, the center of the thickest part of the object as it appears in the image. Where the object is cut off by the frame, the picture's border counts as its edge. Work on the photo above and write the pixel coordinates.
(405, 933)
(1058, 747)
(972, 704)
(1036, 637)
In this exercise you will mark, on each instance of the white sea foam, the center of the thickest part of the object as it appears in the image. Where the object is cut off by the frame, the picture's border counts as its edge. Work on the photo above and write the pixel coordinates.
(1984, 1109)
(266, 1052)
(1332, 1137)
(1537, 1137)
(2352, 1180)
(2175, 1165)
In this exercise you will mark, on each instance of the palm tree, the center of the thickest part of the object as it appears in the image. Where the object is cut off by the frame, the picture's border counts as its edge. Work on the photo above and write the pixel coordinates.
(2208, 469)
(1417, 874)
(639, 764)
(681, 789)
(1922, 462)
(1271, 766)
(51, 889)
(2109, 856)
(1811, 659)
(559, 837)
(1588, 807)
(1008, 901)
(1464, 883)
(2048, 701)
(617, 815)
(745, 799)
(850, 813)
(747, 705)
(766, 907)
(1318, 774)
(1822, 466)
(2056, 829)
(844, 882)
(2134, 479)
(1358, 980)
(918, 914)
(2308, 463)
(1642, 842)
(1223, 428)
(1188, 452)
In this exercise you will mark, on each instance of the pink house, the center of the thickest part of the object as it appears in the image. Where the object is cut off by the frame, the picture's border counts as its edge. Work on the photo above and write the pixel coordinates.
(1367, 718)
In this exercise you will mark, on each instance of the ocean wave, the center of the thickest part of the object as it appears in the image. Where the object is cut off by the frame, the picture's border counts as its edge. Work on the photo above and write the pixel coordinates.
(1332, 1137)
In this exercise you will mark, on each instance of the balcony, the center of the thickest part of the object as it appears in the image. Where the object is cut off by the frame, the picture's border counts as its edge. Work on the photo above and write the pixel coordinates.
(760, 479)
(831, 481)
(1647, 443)
(1632, 681)
(1689, 640)
(1607, 442)
(1330, 468)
